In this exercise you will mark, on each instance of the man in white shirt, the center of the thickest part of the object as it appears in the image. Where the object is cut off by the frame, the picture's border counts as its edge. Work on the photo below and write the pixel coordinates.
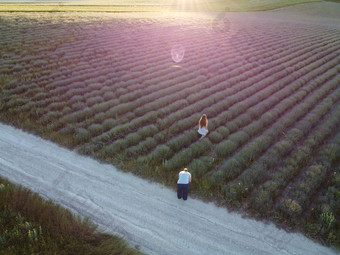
(183, 184)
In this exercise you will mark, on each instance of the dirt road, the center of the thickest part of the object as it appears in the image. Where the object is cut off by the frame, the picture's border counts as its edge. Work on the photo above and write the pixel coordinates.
(148, 215)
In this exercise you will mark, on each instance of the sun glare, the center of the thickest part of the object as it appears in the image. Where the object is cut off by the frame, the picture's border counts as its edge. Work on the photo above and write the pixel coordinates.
(177, 53)
(192, 5)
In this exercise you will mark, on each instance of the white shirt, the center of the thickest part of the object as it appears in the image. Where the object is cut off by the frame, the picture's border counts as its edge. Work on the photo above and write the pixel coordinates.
(184, 177)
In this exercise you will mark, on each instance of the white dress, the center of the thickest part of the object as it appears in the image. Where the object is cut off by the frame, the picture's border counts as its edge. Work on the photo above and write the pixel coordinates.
(202, 131)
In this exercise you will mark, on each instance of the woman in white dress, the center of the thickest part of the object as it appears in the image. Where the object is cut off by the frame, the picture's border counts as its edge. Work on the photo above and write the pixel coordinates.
(203, 126)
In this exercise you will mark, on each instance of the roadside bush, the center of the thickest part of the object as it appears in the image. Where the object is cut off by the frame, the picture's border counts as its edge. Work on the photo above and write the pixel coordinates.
(290, 207)
(82, 135)
(69, 129)
(261, 202)
(117, 147)
(233, 193)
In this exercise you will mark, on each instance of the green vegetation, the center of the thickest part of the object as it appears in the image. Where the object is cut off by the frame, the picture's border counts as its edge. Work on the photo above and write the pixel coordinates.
(80, 8)
(156, 6)
(31, 225)
(107, 87)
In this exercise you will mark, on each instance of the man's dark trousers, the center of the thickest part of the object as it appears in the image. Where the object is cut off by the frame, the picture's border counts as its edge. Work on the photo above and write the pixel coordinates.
(182, 191)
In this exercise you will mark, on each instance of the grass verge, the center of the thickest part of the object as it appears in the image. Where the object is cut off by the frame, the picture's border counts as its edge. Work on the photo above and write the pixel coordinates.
(31, 225)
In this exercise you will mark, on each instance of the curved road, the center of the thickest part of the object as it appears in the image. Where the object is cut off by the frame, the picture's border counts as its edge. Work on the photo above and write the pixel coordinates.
(148, 215)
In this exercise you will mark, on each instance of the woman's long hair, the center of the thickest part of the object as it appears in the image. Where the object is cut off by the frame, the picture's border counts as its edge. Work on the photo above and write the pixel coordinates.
(203, 122)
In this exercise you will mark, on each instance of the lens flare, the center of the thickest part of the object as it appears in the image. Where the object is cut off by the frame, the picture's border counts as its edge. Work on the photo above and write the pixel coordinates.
(177, 53)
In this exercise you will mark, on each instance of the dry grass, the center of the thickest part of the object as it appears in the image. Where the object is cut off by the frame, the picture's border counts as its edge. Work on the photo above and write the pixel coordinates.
(31, 225)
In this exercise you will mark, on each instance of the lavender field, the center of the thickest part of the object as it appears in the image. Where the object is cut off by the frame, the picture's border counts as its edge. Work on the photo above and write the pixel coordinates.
(129, 89)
